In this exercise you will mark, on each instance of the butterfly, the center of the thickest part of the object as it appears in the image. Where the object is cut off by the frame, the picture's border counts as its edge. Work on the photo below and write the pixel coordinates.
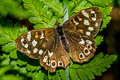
(55, 46)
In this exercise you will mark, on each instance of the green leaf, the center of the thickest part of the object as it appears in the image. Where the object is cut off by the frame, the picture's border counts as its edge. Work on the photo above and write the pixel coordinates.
(79, 6)
(13, 54)
(105, 22)
(37, 75)
(99, 64)
(12, 77)
(99, 40)
(32, 68)
(4, 39)
(100, 3)
(22, 30)
(55, 5)
(11, 7)
(21, 63)
(9, 47)
(106, 11)
(6, 61)
(4, 69)
(73, 75)
(41, 14)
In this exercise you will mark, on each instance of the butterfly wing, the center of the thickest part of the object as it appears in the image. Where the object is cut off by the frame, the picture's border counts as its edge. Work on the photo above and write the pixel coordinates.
(86, 22)
(44, 44)
(80, 31)
(81, 48)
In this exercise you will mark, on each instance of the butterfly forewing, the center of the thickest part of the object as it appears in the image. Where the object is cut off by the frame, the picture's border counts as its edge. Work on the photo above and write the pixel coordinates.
(80, 31)
(86, 22)
(44, 44)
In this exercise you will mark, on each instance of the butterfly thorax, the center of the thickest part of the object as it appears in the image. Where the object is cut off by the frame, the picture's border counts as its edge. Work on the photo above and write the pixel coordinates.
(60, 32)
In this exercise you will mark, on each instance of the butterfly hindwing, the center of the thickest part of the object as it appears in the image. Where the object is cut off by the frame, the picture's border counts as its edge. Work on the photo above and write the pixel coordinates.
(43, 44)
(81, 48)
(55, 56)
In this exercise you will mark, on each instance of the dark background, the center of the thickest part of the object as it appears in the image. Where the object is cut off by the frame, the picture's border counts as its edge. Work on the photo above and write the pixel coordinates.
(111, 43)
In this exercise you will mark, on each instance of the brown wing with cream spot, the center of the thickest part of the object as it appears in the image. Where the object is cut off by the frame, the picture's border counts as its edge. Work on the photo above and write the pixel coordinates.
(81, 48)
(44, 44)
(86, 22)
(80, 31)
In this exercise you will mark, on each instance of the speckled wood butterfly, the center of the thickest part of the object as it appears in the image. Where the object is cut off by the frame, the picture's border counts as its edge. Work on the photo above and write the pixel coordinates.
(52, 45)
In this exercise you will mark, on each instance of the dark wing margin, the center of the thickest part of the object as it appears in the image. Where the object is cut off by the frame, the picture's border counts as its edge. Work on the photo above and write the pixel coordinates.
(43, 44)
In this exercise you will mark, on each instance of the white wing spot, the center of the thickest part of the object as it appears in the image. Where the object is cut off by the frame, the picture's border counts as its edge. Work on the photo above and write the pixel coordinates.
(28, 51)
(48, 63)
(94, 18)
(53, 64)
(90, 28)
(50, 53)
(35, 50)
(88, 33)
(41, 52)
(26, 45)
(81, 56)
(82, 41)
(92, 12)
(22, 40)
(96, 24)
(80, 19)
(45, 59)
(85, 13)
(42, 36)
(89, 42)
(36, 35)
(29, 36)
(86, 22)
(34, 43)
(75, 22)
